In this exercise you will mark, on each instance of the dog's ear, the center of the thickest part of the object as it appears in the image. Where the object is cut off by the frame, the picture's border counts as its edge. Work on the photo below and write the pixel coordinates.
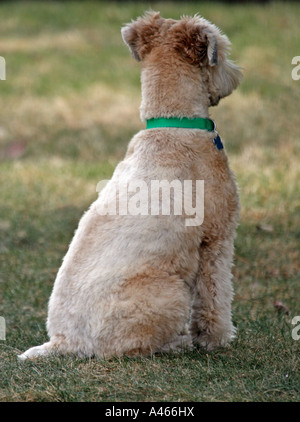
(212, 50)
(203, 47)
(197, 43)
(141, 35)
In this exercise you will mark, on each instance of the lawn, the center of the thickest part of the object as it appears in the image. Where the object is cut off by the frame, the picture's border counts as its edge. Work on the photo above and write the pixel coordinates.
(68, 108)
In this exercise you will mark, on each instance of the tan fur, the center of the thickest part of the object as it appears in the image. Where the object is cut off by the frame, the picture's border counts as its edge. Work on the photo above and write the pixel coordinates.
(142, 284)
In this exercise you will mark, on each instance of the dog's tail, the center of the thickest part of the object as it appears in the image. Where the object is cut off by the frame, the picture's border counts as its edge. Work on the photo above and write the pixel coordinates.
(56, 345)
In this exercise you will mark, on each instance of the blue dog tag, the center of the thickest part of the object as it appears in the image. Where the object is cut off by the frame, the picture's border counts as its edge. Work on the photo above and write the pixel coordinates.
(218, 142)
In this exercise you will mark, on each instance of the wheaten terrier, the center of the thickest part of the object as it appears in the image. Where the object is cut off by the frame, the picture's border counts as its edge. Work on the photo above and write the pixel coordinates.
(139, 281)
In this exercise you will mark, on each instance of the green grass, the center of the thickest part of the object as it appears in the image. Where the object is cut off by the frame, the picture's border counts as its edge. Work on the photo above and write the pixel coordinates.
(68, 109)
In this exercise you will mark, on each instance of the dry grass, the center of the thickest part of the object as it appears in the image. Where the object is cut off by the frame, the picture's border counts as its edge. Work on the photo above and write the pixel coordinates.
(69, 107)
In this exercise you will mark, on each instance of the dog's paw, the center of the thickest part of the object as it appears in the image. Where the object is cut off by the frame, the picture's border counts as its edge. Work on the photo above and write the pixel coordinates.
(213, 341)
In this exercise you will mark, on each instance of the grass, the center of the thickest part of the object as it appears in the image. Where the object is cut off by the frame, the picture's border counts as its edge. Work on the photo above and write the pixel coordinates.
(68, 108)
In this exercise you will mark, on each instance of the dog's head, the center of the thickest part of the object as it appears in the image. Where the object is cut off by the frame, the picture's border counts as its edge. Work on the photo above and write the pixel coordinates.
(191, 40)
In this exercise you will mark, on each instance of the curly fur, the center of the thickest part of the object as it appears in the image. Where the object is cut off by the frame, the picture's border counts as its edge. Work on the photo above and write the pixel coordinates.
(143, 284)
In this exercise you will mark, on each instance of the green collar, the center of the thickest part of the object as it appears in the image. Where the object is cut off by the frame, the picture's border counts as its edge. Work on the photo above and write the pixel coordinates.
(184, 122)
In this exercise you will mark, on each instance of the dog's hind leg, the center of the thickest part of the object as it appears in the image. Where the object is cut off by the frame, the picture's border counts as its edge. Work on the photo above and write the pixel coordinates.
(146, 315)
(211, 324)
(149, 316)
(181, 342)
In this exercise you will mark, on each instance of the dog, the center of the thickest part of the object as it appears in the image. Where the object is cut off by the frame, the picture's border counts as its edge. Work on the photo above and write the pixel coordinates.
(142, 284)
